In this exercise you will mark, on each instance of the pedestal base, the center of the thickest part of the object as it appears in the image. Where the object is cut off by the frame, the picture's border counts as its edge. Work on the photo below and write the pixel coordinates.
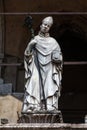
(41, 117)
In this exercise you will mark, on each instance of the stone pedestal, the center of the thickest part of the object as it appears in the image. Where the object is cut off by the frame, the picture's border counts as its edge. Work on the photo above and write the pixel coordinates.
(41, 117)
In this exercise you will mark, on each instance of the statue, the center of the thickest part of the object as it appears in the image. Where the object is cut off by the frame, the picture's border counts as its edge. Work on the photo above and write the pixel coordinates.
(43, 71)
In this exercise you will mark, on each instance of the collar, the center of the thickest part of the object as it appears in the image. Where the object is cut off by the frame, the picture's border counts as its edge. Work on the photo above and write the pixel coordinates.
(43, 35)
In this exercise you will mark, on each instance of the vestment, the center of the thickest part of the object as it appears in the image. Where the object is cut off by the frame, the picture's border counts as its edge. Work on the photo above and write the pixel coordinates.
(43, 76)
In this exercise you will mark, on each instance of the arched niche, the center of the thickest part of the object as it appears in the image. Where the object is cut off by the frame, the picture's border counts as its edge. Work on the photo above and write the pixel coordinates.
(72, 40)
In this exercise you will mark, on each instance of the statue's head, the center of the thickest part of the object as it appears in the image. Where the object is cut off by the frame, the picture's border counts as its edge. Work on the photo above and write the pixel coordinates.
(48, 20)
(46, 24)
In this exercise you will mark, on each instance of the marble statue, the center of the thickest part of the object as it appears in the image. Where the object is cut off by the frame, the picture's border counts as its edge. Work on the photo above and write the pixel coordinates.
(43, 71)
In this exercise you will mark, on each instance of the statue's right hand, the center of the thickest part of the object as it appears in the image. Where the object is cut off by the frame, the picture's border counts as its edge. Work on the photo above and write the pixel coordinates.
(28, 58)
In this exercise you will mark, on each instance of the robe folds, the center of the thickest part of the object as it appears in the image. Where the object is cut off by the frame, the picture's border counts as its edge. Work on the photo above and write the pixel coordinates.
(43, 76)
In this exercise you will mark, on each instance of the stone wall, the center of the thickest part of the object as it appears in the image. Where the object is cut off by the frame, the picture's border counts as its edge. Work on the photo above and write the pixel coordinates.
(10, 107)
(16, 37)
(15, 32)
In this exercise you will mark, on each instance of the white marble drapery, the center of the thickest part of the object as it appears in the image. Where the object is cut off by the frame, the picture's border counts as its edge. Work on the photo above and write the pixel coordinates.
(42, 72)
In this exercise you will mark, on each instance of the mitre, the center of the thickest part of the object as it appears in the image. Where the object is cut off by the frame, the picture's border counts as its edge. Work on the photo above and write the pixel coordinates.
(48, 20)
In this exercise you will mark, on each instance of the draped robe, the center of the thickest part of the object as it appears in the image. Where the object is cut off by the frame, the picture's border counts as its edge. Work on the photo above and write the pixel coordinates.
(43, 77)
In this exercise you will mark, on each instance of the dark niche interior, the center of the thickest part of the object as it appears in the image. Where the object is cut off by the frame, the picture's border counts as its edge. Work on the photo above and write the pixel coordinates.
(74, 46)
(74, 90)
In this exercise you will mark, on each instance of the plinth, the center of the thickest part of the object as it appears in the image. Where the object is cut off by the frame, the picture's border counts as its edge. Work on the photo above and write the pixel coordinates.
(41, 117)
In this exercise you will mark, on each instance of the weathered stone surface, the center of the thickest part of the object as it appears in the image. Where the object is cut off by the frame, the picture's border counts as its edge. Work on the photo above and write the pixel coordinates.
(10, 72)
(45, 126)
(1, 81)
(41, 117)
(10, 106)
(6, 88)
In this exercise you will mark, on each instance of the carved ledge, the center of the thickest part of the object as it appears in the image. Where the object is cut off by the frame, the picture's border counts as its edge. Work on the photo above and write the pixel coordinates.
(41, 117)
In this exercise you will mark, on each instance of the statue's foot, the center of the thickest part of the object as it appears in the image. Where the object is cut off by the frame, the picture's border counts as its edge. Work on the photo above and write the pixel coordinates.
(31, 110)
(51, 109)
(27, 111)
